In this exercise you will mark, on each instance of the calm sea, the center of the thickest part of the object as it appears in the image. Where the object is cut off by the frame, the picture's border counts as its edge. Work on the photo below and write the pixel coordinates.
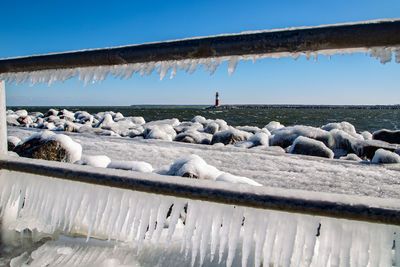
(363, 119)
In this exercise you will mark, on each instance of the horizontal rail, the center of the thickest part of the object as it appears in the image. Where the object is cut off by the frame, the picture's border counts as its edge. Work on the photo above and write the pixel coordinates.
(338, 36)
(386, 211)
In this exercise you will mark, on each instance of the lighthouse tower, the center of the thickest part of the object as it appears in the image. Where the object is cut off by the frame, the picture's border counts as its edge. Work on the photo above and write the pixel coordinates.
(217, 99)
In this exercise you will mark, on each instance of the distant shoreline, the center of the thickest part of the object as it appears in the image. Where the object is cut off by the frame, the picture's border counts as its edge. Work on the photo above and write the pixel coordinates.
(304, 107)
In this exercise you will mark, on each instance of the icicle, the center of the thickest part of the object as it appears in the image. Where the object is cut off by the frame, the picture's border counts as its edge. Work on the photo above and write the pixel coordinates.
(232, 63)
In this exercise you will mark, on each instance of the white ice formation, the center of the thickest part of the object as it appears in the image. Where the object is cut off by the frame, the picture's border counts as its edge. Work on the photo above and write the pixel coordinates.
(125, 71)
(212, 235)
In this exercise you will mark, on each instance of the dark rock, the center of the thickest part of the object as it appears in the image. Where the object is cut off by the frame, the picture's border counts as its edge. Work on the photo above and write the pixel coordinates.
(190, 175)
(367, 148)
(389, 136)
(42, 149)
(51, 112)
(307, 146)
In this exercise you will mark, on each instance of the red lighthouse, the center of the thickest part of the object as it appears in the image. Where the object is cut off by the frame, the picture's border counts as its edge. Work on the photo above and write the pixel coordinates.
(217, 99)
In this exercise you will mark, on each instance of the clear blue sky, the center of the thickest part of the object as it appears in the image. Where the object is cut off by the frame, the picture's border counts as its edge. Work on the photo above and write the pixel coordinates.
(37, 27)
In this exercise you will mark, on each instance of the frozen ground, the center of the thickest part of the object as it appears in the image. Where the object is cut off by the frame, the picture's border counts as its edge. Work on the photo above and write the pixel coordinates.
(268, 167)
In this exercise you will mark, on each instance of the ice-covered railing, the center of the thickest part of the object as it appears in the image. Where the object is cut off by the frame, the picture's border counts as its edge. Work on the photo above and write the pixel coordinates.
(111, 206)
(379, 39)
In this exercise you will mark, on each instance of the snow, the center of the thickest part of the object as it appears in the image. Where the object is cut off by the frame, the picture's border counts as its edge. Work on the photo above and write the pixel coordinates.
(99, 73)
(101, 161)
(385, 156)
(139, 166)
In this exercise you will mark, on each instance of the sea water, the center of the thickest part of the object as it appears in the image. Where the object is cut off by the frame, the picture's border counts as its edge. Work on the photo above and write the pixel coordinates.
(364, 119)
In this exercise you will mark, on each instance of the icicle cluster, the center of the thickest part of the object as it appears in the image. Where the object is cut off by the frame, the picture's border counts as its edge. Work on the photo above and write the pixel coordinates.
(212, 233)
(99, 73)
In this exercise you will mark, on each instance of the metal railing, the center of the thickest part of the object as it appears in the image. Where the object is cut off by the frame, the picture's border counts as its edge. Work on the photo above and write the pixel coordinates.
(377, 33)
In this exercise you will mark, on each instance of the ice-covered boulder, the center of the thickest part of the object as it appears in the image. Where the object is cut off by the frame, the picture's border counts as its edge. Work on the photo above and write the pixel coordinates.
(231, 136)
(249, 129)
(259, 139)
(172, 122)
(21, 113)
(367, 148)
(160, 131)
(72, 127)
(50, 146)
(12, 142)
(199, 119)
(284, 137)
(351, 156)
(12, 120)
(25, 120)
(66, 114)
(385, 156)
(389, 136)
(138, 166)
(367, 135)
(51, 112)
(211, 127)
(193, 137)
(273, 125)
(101, 161)
(344, 126)
(136, 120)
(106, 121)
(188, 126)
(307, 146)
(193, 166)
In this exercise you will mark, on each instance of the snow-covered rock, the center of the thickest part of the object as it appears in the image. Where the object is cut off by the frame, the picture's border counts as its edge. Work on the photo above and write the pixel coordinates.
(50, 146)
(249, 129)
(259, 139)
(194, 137)
(284, 137)
(160, 131)
(367, 135)
(351, 156)
(385, 156)
(231, 136)
(344, 126)
(21, 113)
(307, 146)
(273, 125)
(12, 142)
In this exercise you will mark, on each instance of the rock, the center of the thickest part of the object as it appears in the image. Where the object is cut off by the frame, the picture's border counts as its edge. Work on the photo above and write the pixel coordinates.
(193, 137)
(51, 112)
(259, 139)
(284, 137)
(367, 135)
(190, 175)
(344, 126)
(389, 136)
(351, 156)
(211, 128)
(106, 121)
(66, 114)
(231, 136)
(49, 146)
(249, 129)
(12, 120)
(188, 126)
(25, 120)
(273, 125)
(307, 146)
(21, 113)
(385, 156)
(367, 148)
(12, 142)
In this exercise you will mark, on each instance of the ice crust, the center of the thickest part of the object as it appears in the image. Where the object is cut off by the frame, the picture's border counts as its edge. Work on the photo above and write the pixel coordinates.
(126, 71)
(211, 231)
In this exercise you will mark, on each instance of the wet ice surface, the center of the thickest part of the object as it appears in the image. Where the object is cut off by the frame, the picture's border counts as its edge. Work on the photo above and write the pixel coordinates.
(266, 167)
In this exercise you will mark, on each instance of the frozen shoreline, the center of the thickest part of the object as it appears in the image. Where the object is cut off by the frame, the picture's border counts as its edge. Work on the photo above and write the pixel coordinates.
(270, 168)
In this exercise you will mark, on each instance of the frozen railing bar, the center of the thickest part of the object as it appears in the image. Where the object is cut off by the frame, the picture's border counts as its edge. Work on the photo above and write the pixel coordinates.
(380, 33)
(384, 211)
